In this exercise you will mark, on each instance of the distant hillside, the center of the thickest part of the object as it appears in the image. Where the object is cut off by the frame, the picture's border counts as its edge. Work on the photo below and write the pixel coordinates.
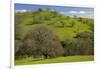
(63, 26)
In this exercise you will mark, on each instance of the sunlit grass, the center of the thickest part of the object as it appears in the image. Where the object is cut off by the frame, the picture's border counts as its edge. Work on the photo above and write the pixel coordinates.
(31, 60)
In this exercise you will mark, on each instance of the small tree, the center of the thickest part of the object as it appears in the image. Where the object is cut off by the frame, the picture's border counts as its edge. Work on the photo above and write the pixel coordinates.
(40, 9)
(70, 48)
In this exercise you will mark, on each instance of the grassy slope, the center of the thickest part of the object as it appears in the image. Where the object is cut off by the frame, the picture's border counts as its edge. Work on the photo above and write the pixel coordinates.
(53, 60)
(63, 32)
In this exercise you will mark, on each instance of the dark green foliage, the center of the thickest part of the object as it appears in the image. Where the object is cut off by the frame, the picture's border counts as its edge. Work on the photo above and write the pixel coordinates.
(39, 9)
(25, 48)
(18, 45)
(85, 36)
(83, 44)
(80, 19)
(71, 47)
(85, 40)
(86, 46)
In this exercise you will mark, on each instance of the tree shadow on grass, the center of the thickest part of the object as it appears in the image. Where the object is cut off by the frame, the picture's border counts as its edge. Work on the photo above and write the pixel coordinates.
(40, 59)
(37, 59)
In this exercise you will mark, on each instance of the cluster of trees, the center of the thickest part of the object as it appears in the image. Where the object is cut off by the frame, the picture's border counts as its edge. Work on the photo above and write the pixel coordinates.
(81, 44)
(40, 41)
(43, 42)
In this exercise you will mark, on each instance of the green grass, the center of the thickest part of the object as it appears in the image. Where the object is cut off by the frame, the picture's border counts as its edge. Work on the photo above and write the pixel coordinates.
(62, 33)
(31, 60)
(54, 22)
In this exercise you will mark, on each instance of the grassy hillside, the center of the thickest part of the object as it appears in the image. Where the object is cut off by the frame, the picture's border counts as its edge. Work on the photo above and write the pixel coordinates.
(53, 60)
(63, 25)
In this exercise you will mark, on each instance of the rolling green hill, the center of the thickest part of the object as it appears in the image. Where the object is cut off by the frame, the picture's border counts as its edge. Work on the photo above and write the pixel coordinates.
(63, 26)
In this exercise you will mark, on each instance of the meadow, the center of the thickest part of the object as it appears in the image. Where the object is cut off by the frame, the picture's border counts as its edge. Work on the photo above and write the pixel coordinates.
(31, 60)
